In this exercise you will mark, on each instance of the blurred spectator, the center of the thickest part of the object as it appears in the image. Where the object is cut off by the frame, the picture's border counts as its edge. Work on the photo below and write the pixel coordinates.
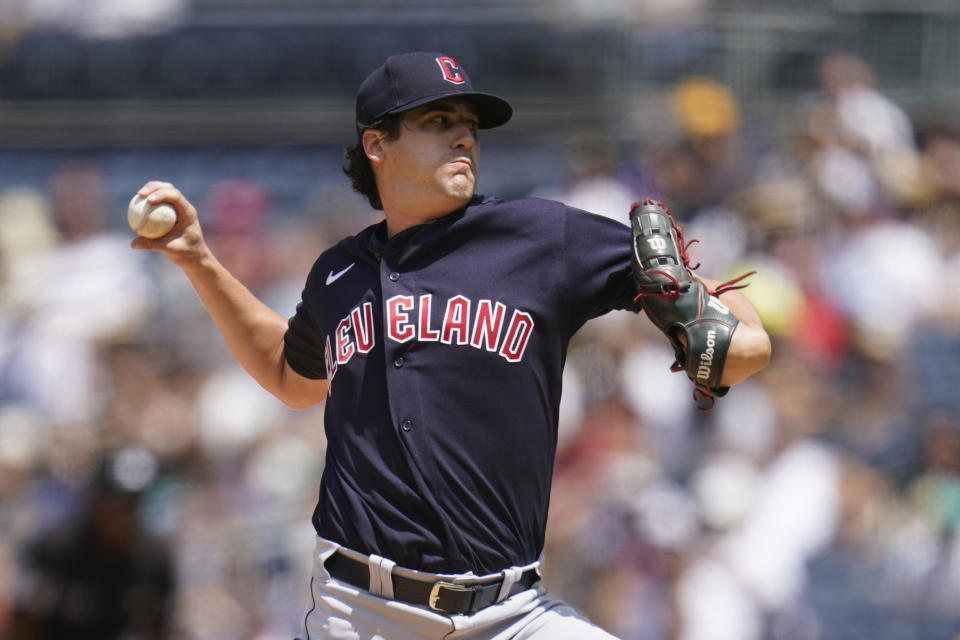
(926, 575)
(706, 164)
(26, 226)
(857, 273)
(591, 159)
(866, 120)
(866, 156)
(235, 211)
(101, 574)
(940, 146)
(55, 327)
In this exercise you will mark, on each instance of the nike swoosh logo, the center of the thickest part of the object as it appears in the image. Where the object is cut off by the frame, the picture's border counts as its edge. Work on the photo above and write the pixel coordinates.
(333, 277)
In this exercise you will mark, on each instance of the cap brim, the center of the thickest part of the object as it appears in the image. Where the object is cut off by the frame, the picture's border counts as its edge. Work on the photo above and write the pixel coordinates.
(493, 111)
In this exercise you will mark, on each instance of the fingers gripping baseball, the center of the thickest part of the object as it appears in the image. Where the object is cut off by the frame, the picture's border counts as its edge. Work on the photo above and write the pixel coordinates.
(184, 242)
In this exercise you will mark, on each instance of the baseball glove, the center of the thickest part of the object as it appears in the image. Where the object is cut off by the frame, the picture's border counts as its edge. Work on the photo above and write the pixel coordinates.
(697, 323)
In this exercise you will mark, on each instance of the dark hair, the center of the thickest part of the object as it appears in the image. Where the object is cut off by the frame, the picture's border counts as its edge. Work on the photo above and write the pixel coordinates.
(357, 166)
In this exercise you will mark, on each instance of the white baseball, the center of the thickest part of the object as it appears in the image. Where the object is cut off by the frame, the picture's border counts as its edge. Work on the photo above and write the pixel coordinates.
(150, 220)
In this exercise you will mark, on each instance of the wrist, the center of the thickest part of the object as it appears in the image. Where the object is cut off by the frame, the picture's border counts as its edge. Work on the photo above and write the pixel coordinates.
(198, 262)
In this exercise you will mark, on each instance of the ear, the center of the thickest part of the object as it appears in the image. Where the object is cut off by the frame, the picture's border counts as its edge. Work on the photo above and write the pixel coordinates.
(372, 141)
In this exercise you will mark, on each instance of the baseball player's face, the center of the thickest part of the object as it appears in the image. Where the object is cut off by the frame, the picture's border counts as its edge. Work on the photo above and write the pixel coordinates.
(432, 165)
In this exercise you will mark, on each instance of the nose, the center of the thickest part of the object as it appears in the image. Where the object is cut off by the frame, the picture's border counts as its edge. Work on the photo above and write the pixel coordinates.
(466, 137)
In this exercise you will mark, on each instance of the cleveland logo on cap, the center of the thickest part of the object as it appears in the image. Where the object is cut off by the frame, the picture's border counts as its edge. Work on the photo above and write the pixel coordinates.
(450, 69)
(408, 80)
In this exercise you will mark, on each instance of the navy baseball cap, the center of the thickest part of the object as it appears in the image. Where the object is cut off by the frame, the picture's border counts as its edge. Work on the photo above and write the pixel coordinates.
(409, 80)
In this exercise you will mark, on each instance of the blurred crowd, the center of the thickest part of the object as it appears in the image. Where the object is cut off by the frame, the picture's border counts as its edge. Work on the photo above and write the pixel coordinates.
(819, 500)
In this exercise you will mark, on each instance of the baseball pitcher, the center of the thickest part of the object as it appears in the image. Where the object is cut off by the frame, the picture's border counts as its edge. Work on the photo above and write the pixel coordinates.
(437, 339)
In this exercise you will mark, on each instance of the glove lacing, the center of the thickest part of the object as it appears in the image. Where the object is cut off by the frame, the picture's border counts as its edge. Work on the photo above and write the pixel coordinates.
(667, 291)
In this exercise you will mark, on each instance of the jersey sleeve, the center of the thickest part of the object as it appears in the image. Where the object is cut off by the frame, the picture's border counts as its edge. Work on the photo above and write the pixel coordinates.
(303, 344)
(597, 259)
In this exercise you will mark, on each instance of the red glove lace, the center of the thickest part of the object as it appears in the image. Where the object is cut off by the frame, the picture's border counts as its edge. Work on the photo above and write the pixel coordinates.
(682, 246)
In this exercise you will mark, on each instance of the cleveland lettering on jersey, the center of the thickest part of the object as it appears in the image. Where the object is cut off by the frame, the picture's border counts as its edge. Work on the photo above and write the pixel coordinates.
(482, 326)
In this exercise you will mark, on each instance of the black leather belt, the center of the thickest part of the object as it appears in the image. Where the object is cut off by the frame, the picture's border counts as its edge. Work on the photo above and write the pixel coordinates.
(440, 596)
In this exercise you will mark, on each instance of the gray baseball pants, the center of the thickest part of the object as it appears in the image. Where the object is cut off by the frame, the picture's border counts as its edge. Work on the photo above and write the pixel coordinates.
(340, 611)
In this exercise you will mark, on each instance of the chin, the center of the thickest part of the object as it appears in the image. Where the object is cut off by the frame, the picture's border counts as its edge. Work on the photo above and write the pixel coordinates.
(461, 187)
(463, 194)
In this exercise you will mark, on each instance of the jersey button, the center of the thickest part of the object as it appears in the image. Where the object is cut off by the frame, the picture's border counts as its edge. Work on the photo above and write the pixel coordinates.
(406, 425)
(394, 276)
(398, 362)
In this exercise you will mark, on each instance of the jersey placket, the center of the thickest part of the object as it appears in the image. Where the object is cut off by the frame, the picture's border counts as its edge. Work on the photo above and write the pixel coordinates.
(404, 383)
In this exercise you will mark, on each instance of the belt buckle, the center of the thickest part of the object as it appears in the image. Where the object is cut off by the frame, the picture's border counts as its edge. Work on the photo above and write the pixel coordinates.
(435, 592)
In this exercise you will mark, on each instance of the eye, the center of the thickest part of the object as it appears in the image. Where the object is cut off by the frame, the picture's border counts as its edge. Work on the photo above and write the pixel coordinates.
(447, 121)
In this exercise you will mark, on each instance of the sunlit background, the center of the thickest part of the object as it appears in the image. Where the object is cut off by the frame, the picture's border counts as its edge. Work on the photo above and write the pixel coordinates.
(817, 142)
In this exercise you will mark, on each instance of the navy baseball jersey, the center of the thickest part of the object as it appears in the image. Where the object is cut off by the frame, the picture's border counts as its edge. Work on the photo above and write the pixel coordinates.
(444, 347)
